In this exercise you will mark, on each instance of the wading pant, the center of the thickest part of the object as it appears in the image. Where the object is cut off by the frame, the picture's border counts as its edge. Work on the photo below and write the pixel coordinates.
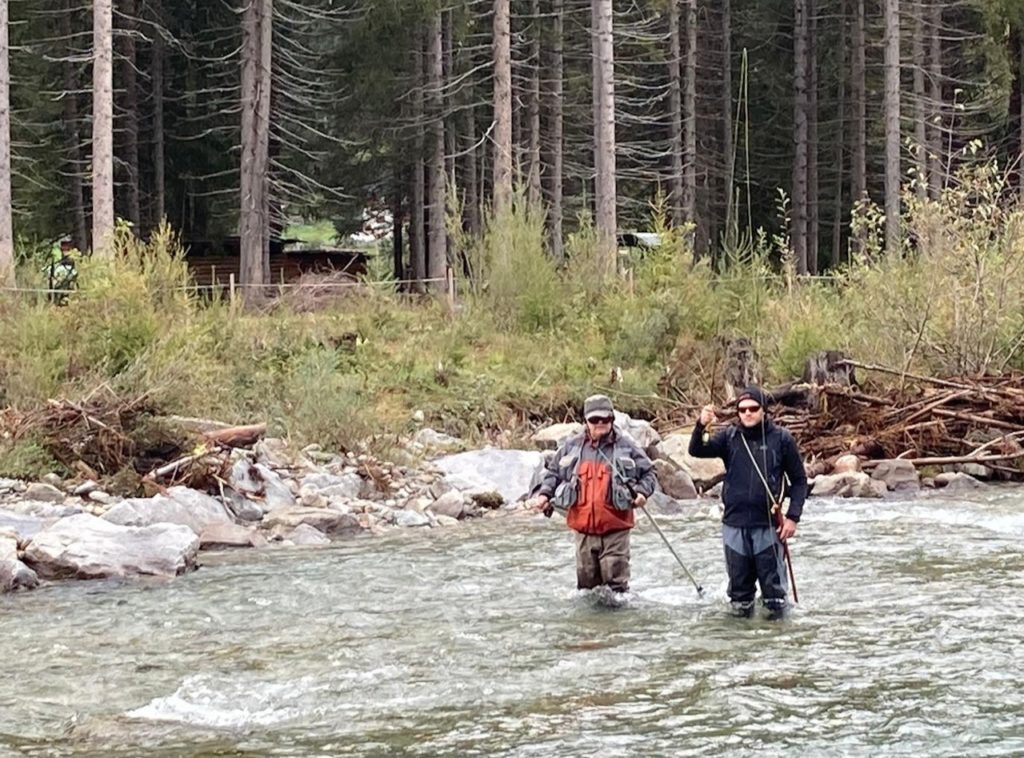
(755, 555)
(603, 559)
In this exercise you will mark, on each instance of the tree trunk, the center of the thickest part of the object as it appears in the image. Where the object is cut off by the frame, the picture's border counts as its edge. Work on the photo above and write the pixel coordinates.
(437, 255)
(555, 121)
(675, 107)
(72, 135)
(255, 105)
(813, 195)
(604, 132)
(891, 45)
(690, 115)
(533, 173)
(840, 155)
(6, 221)
(418, 221)
(397, 222)
(130, 161)
(858, 95)
(920, 114)
(937, 172)
(157, 74)
(471, 203)
(502, 107)
(728, 159)
(798, 234)
(102, 129)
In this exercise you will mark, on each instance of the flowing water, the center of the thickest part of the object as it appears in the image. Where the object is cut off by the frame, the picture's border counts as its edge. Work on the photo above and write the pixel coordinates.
(909, 640)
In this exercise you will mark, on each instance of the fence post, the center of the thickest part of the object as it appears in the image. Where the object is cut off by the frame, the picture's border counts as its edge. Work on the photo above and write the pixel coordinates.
(231, 288)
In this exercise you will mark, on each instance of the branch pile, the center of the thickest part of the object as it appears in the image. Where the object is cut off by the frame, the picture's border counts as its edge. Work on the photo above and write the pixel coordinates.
(930, 422)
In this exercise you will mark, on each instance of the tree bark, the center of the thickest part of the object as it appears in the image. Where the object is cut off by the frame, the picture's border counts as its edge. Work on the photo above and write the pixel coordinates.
(502, 107)
(418, 221)
(798, 233)
(675, 107)
(937, 172)
(813, 194)
(891, 45)
(690, 115)
(6, 217)
(533, 173)
(437, 255)
(471, 202)
(102, 129)
(72, 135)
(130, 132)
(728, 160)
(840, 143)
(604, 131)
(920, 113)
(157, 74)
(556, 137)
(254, 217)
(858, 96)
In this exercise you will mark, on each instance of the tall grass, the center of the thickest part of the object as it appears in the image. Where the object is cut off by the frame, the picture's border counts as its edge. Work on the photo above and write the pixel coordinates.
(531, 338)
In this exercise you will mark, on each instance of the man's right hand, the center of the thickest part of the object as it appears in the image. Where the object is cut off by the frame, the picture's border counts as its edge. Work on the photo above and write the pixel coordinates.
(707, 415)
(539, 503)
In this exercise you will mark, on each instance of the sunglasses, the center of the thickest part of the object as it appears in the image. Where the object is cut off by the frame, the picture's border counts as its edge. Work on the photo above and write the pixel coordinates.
(749, 409)
(601, 419)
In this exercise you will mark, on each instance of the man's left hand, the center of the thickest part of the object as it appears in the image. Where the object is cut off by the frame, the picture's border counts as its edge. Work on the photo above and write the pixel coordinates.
(639, 500)
(787, 530)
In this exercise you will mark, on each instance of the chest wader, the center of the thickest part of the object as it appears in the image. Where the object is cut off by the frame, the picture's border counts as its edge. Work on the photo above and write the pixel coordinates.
(754, 556)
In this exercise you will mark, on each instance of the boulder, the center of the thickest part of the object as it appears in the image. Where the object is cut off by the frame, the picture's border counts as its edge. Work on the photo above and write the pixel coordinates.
(645, 435)
(259, 484)
(451, 504)
(551, 437)
(957, 481)
(705, 472)
(88, 547)
(674, 482)
(846, 464)
(180, 505)
(853, 484)
(898, 475)
(325, 520)
(340, 486)
(14, 575)
(218, 536)
(46, 493)
(507, 472)
(661, 504)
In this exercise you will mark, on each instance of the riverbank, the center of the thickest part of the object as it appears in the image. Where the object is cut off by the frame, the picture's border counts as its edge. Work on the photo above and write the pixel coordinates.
(271, 494)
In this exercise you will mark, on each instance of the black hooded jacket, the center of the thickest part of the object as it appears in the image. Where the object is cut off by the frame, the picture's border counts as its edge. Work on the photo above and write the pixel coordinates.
(743, 494)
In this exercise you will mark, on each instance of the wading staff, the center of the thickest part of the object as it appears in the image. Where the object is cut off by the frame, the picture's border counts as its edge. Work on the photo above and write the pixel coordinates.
(700, 590)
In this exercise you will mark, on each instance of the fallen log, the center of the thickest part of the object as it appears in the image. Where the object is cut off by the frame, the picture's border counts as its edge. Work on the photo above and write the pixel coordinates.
(953, 459)
(237, 436)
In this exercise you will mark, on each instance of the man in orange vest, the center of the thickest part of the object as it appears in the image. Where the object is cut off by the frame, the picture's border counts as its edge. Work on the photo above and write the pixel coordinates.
(597, 478)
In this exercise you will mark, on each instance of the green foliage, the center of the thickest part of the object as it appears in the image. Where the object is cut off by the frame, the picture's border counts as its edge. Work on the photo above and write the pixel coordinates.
(26, 459)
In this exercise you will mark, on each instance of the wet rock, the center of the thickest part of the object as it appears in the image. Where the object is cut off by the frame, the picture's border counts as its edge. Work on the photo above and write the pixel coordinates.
(88, 547)
(957, 481)
(846, 464)
(14, 575)
(324, 520)
(674, 482)
(181, 505)
(451, 504)
(44, 492)
(854, 484)
(219, 536)
(898, 475)
(661, 504)
(305, 535)
(705, 472)
(410, 518)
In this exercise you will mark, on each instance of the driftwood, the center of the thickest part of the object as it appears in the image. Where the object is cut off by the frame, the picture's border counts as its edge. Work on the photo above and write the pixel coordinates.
(237, 436)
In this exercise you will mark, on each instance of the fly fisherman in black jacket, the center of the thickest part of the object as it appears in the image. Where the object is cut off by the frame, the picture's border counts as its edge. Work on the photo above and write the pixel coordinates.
(757, 455)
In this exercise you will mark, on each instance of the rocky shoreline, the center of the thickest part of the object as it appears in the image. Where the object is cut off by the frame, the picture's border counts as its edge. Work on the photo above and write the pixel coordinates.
(277, 496)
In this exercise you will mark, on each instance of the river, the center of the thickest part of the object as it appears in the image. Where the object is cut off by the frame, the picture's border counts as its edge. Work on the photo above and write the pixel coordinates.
(909, 640)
